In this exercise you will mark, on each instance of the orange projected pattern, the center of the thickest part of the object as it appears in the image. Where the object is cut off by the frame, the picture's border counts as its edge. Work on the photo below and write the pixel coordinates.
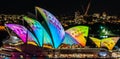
(76, 33)
(2, 27)
(81, 39)
(106, 42)
(32, 43)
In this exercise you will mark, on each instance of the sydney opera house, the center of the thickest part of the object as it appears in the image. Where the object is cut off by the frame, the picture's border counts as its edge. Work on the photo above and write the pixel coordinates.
(47, 37)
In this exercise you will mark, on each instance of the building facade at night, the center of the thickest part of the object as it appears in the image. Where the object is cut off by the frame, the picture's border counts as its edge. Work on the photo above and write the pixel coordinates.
(78, 41)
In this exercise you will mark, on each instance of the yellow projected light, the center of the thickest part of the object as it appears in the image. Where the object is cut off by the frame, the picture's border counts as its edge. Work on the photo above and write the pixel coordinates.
(106, 42)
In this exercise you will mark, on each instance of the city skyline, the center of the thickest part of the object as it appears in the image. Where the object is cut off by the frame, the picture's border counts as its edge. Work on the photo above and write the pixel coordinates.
(60, 6)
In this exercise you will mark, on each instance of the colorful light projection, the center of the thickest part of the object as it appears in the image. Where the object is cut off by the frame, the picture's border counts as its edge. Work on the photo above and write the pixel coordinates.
(2, 27)
(106, 42)
(96, 41)
(19, 30)
(104, 31)
(56, 29)
(31, 38)
(32, 43)
(84, 30)
(78, 33)
(41, 34)
(69, 39)
(22, 32)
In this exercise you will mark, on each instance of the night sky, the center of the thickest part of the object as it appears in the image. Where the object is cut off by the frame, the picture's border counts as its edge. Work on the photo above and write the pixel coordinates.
(60, 6)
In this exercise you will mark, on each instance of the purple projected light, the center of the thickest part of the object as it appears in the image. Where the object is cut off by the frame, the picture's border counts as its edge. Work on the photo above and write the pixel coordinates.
(21, 31)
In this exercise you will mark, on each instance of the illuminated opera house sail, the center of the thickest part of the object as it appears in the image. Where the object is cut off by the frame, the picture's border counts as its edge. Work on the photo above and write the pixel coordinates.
(54, 26)
(39, 31)
(106, 42)
(79, 33)
(23, 33)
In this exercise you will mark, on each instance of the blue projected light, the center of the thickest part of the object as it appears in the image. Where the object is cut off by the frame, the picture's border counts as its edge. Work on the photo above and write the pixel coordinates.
(54, 26)
(39, 31)
(69, 39)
